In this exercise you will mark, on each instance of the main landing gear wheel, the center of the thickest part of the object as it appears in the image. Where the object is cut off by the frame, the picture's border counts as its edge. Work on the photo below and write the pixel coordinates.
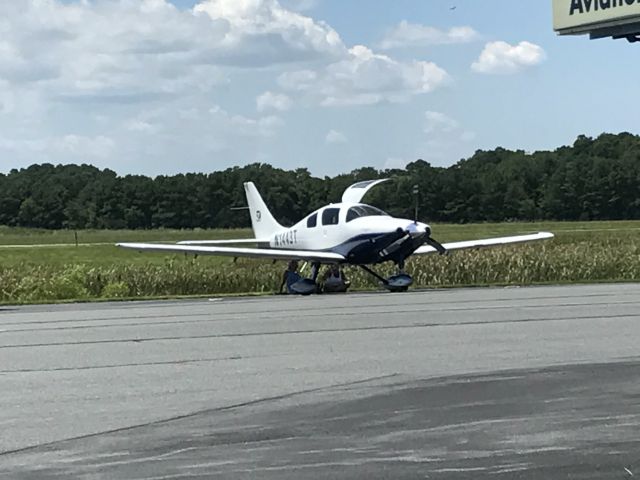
(304, 286)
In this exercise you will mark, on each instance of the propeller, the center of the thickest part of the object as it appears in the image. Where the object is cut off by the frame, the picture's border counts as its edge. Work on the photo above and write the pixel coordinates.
(416, 191)
(437, 245)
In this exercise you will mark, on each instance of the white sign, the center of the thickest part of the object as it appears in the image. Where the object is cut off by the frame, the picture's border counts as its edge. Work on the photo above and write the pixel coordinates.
(570, 14)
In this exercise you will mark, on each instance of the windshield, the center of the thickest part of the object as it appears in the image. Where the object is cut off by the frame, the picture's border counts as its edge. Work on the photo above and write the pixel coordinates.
(364, 211)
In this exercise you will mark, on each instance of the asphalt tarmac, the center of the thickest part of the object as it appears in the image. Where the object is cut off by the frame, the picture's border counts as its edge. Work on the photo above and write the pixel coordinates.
(469, 383)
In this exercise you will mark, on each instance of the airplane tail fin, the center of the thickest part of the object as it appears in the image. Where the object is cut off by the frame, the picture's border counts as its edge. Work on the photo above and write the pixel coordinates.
(262, 222)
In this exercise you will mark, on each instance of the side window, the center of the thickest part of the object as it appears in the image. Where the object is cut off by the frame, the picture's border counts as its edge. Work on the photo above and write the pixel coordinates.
(312, 221)
(330, 216)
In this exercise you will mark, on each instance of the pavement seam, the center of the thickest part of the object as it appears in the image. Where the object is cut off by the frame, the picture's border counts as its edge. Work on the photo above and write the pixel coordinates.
(309, 331)
(200, 412)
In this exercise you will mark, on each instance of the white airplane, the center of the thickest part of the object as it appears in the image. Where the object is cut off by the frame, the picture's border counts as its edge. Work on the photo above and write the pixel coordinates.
(349, 232)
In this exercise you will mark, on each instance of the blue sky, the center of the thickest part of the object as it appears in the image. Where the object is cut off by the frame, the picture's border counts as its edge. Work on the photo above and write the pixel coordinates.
(159, 87)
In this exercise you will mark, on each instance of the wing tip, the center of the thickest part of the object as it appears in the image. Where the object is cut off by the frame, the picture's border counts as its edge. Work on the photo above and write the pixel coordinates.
(124, 245)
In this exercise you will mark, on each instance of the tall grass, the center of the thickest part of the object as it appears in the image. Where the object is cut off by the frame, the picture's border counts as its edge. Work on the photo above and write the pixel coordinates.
(527, 264)
(576, 255)
(36, 283)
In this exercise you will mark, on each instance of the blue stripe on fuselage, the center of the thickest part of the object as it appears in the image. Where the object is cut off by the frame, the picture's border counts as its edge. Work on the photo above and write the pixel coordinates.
(345, 247)
(357, 250)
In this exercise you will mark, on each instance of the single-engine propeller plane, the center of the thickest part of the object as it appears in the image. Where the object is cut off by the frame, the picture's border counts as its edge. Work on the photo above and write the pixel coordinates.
(349, 232)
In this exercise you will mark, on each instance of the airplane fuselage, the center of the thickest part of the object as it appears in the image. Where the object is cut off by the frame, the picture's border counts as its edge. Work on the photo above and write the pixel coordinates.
(361, 233)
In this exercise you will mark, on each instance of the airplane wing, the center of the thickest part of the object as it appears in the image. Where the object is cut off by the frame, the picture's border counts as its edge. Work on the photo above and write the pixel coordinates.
(238, 241)
(267, 253)
(355, 192)
(487, 242)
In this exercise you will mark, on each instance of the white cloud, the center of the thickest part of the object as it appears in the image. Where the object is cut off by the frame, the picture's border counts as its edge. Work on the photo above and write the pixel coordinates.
(98, 79)
(246, 126)
(365, 77)
(138, 125)
(136, 47)
(19, 102)
(439, 122)
(503, 58)
(396, 163)
(75, 146)
(444, 141)
(263, 126)
(407, 34)
(80, 146)
(300, 5)
(300, 80)
(273, 101)
(333, 136)
(105, 48)
(265, 32)
(73, 69)
(445, 136)
(440, 126)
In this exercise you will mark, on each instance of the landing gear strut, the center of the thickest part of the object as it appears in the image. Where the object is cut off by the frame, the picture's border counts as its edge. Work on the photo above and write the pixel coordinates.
(395, 283)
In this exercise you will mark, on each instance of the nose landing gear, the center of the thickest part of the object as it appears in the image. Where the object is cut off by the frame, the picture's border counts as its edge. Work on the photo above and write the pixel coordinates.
(395, 283)
(401, 281)
(398, 283)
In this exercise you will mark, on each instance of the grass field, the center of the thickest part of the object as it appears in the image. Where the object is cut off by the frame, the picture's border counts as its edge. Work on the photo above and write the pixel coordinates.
(40, 265)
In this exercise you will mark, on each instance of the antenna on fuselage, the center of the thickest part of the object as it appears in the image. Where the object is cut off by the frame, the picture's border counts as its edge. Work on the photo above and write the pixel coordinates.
(416, 191)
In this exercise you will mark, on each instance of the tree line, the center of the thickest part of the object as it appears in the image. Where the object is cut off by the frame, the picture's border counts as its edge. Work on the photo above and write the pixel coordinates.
(594, 179)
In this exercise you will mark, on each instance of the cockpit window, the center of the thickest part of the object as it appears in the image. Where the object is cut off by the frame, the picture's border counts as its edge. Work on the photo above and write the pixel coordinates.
(364, 211)
(330, 216)
(312, 221)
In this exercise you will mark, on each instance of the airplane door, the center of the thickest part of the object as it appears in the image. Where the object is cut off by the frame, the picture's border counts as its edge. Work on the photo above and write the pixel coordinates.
(330, 220)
